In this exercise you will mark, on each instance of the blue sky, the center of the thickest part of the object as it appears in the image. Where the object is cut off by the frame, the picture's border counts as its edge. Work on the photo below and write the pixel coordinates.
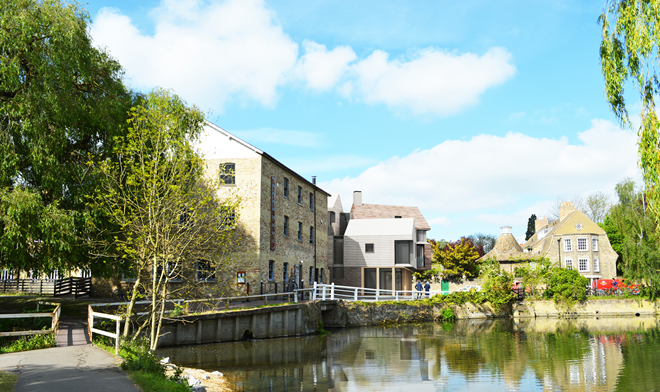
(478, 112)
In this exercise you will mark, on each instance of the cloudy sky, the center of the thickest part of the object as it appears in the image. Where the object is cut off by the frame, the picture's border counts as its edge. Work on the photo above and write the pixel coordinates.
(478, 112)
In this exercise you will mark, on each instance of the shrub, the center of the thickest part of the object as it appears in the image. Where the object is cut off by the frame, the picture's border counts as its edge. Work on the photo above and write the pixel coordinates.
(566, 286)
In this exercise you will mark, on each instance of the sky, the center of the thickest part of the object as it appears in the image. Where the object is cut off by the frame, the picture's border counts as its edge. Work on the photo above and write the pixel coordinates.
(480, 113)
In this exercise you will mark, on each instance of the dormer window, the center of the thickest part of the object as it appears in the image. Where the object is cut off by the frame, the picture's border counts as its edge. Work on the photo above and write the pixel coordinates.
(397, 216)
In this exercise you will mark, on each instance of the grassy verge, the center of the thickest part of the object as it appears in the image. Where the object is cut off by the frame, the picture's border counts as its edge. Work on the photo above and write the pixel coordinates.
(8, 381)
(26, 343)
(144, 368)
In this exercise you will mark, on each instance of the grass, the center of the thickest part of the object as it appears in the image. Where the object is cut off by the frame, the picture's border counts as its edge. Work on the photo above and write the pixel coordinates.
(144, 368)
(8, 381)
(26, 343)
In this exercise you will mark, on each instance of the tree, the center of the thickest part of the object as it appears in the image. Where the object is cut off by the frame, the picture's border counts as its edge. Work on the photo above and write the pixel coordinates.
(484, 241)
(458, 260)
(597, 205)
(61, 101)
(531, 227)
(553, 212)
(156, 191)
(636, 240)
(629, 53)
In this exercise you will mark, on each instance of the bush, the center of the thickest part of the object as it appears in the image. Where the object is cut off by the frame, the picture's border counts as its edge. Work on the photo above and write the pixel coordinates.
(26, 343)
(138, 357)
(566, 286)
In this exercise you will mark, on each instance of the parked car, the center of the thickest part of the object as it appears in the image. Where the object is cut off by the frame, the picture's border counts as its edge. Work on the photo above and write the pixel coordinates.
(470, 288)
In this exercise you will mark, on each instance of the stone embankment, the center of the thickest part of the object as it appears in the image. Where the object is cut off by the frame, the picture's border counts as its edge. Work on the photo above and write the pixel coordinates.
(591, 308)
(199, 380)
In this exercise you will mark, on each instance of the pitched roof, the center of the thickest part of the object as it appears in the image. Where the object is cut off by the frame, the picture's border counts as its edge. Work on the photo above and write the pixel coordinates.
(398, 227)
(379, 211)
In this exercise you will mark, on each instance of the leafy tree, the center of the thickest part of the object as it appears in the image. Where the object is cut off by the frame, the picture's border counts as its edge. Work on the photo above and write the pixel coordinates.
(629, 53)
(458, 260)
(158, 194)
(634, 223)
(531, 227)
(485, 241)
(615, 238)
(427, 275)
(61, 101)
(566, 286)
(597, 205)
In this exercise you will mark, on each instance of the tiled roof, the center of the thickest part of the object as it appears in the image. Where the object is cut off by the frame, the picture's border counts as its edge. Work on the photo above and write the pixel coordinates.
(379, 211)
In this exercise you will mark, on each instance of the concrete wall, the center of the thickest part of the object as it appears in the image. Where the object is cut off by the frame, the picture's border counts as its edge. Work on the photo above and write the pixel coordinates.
(591, 308)
(269, 322)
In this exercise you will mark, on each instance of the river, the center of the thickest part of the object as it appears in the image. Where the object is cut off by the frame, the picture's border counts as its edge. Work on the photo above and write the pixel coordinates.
(606, 354)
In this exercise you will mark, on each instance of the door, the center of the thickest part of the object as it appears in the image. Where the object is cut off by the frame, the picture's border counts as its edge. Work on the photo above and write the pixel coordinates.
(444, 285)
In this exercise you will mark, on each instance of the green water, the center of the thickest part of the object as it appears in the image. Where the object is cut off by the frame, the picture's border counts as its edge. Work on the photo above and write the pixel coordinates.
(497, 355)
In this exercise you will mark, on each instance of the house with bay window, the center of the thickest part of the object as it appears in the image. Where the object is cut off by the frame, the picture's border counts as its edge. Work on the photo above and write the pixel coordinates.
(573, 241)
(377, 246)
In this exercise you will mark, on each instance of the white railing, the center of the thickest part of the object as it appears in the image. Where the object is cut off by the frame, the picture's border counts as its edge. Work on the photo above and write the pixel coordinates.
(54, 315)
(90, 325)
(349, 293)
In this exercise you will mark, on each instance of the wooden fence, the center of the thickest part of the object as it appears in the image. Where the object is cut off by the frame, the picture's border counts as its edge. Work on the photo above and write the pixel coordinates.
(56, 287)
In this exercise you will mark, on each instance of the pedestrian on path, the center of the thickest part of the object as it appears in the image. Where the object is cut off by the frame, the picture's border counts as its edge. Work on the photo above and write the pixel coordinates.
(418, 287)
(427, 288)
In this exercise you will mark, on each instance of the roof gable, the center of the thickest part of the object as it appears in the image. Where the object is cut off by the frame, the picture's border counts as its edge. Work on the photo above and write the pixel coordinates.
(380, 211)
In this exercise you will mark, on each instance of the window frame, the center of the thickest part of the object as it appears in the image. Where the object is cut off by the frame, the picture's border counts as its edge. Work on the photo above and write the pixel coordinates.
(568, 244)
(285, 272)
(585, 242)
(594, 244)
(596, 264)
(286, 226)
(372, 250)
(584, 260)
(566, 263)
(271, 270)
(227, 177)
(299, 195)
(311, 234)
(300, 231)
(286, 187)
(396, 258)
(210, 271)
(311, 201)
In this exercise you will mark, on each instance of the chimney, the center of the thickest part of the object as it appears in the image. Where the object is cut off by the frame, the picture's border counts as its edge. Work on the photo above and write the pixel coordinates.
(565, 209)
(357, 198)
(540, 223)
(505, 230)
(314, 180)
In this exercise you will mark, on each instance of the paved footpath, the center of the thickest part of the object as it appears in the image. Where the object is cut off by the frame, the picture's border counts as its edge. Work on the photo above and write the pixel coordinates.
(74, 365)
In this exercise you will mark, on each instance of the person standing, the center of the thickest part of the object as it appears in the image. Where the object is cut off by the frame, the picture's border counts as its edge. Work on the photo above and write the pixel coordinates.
(418, 287)
(427, 288)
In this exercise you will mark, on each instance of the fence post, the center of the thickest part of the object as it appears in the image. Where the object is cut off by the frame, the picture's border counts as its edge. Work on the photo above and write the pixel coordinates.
(117, 338)
(377, 292)
(324, 286)
(227, 303)
(355, 294)
(314, 292)
(332, 290)
(41, 286)
(295, 297)
(396, 295)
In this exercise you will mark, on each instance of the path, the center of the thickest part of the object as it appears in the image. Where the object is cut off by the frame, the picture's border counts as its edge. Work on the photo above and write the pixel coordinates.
(74, 365)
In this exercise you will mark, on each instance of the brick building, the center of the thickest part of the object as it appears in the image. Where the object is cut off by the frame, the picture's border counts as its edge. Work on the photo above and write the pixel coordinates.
(280, 215)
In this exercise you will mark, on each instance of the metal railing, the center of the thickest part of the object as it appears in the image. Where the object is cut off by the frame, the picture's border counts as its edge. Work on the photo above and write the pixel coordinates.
(54, 315)
(349, 293)
(208, 304)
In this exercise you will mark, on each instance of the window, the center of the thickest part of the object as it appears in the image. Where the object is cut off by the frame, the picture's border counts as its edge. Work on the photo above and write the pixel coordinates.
(582, 244)
(311, 275)
(311, 234)
(285, 272)
(205, 271)
(228, 217)
(568, 245)
(311, 201)
(338, 250)
(332, 217)
(568, 263)
(397, 216)
(286, 187)
(184, 218)
(420, 256)
(300, 195)
(172, 271)
(286, 226)
(321, 277)
(299, 231)
(594, 244)
(583, 265)
(596, 265)
(402, 252)
(369, 248)
(228, 174)
(271, 269)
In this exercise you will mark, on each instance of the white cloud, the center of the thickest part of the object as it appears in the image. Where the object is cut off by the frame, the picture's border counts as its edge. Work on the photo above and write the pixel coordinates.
(321, 69)
(209, 53)
(442, 221)
(433, 82)
(279, 136)
(321, 164)
(497, 172)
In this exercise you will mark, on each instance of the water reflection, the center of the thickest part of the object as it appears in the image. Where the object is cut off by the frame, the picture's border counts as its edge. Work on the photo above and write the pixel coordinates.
(495, 355)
